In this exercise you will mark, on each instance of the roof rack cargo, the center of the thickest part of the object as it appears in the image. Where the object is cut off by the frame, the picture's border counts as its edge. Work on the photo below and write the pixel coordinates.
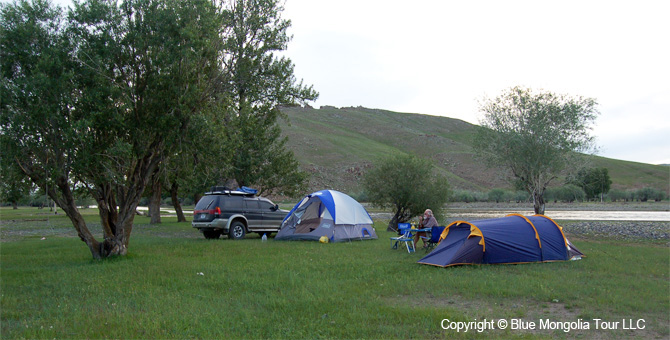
(227, 191)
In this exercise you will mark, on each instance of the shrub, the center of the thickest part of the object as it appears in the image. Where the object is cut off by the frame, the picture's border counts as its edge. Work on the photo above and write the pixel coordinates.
(496, 195)
(360, 196)
(649, 193)
(468, 196)
(567, 193)
(619, 195)
(521, 196)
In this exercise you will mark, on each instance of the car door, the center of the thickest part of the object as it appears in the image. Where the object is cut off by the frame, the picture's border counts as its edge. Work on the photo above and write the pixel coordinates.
(253, 213)
(272, 216)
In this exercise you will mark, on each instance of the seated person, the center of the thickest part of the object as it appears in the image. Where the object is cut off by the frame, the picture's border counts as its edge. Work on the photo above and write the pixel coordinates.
(425, 221)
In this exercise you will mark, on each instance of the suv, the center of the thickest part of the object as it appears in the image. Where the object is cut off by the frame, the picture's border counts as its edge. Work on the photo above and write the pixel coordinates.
(236, 213)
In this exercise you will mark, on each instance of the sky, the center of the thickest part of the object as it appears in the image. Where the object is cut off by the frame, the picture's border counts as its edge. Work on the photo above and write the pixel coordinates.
(444, 57)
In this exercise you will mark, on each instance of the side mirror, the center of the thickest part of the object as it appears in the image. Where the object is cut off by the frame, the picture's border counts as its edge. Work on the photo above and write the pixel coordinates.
(275, 207)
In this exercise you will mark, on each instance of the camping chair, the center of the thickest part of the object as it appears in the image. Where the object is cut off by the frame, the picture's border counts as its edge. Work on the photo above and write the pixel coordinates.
(406, 236)
(434, 238)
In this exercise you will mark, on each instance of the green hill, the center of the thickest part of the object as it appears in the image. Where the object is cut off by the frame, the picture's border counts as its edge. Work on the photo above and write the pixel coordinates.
(337, 145)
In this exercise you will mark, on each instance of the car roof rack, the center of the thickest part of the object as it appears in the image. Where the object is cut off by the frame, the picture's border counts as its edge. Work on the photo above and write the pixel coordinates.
(219, 190)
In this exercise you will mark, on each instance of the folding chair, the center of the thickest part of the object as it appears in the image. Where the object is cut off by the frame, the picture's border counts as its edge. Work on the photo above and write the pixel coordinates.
(405, 229)
(434, 238)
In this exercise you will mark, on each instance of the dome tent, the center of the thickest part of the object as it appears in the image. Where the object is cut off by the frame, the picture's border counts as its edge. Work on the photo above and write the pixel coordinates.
(327, 213)
(510, 239)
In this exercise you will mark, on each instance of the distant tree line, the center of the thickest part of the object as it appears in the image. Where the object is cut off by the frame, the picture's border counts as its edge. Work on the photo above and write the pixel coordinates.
(567, 193)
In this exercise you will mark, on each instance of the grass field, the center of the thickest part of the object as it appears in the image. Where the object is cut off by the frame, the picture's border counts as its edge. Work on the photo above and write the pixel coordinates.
(176, 284)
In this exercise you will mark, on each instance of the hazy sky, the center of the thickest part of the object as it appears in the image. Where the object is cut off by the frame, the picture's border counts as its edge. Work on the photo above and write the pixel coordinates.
(441, 57)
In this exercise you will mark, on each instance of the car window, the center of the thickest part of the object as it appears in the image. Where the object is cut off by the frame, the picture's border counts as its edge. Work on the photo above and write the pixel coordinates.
(266, 205)
(234, 203)
(207, 202)
(252, 204)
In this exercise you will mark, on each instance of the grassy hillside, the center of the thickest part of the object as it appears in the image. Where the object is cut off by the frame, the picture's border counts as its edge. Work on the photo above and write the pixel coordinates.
(336, 146)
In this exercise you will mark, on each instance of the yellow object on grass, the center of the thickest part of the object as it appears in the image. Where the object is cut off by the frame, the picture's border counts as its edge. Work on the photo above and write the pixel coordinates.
(323, 239)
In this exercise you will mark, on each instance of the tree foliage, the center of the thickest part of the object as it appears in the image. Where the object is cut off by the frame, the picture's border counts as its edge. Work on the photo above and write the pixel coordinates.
(14, 186)
(106, 96)
(97, 100)
(257, 82)
(595, 182)
(407, 185)
(38, 124)
(534, 134)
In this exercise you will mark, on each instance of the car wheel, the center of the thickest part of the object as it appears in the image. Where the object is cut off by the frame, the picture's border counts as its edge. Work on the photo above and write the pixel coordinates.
(211, 234)
(236, 231)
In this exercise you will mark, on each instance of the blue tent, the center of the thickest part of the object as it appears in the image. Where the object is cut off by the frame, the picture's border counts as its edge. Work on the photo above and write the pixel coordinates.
(327, 213)
(511, 239)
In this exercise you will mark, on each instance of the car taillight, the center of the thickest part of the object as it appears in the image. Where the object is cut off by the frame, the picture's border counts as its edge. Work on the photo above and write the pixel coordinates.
(216, 211)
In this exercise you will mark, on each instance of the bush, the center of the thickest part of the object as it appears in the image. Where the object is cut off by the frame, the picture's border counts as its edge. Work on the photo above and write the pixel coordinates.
(468, 196)
(521, 196)
(619, 195)
(649, 193)
(38, 199)
(496, 195)
(408, 185)
(567, 193)
(187, 201)
(360, 196)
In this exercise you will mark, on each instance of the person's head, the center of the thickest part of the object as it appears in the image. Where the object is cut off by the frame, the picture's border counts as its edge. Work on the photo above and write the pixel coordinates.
(428, 213)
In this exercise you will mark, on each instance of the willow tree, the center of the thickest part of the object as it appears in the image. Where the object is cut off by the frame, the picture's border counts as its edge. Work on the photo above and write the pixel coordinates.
(594, 181)
(95, 99)
(535, 135)
(259, 81)
(407, 185)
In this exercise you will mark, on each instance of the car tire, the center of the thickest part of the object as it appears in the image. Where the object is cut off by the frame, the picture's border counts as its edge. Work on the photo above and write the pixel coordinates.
(236, 231)
(211, 234)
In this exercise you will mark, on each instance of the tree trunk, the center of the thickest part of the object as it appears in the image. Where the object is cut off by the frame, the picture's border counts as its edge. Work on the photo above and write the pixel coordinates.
(15, 205)
(65, 199)
(174, 188)
(393, 224)
(113, 243)
(538, 203)
(155, 200)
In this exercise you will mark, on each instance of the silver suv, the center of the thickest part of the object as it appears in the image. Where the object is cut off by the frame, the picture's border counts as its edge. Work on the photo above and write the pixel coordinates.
(236, 213)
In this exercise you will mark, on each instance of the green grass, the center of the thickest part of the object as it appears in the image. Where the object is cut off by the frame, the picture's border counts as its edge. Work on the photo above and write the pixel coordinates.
(52, 288)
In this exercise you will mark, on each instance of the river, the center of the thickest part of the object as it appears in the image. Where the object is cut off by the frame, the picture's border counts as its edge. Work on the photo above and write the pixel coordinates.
(570, 215)
(460, 213)
(580, 215)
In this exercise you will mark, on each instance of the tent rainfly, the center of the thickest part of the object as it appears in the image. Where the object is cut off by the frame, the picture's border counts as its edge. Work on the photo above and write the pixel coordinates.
(510, 239)
(327, 213)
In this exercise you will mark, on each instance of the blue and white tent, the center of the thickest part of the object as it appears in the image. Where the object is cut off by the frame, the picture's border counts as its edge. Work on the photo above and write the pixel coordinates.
(327, 213)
